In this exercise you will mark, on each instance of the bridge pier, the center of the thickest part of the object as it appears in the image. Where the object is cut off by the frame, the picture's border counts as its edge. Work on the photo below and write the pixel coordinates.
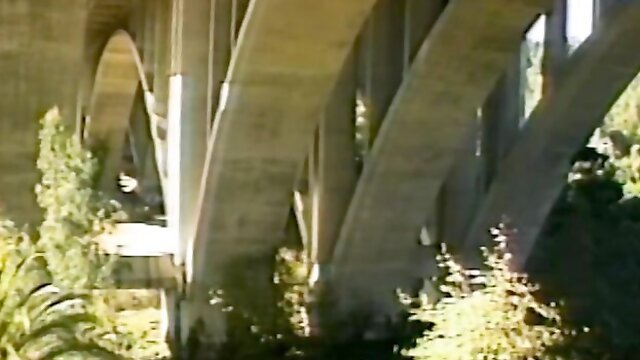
(38, 67)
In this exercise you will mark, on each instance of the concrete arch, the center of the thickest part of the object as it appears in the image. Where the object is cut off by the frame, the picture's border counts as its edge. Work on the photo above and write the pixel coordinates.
(118, 76)
(454, 71)
(534, 173)
(288, 59)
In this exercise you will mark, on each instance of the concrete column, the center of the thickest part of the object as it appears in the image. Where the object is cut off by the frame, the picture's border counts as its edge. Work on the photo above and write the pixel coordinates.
(188, 125)
(381, 58)
(501, 116)
(600, 9)
(312, 216)
(555, 45)
(336, 174)
(220, 48)
(189, 108)
(161, 63)
(148, 48)
(139, 132)
(238, 11)
(463, 189)
(419, 17)
(41, 51)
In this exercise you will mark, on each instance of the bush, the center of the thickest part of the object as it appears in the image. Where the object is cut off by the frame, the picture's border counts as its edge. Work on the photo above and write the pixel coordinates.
(74, 214)
(49, 305)
(598, 282)
(619, 138)
(38, 320)
(486, 314)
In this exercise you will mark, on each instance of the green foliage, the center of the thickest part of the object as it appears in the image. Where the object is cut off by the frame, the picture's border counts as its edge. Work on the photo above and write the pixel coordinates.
(73, 213)
(598, 282)
(292, 276)
(38, 320)
(48, 305)
(486, 314)
(619, 138)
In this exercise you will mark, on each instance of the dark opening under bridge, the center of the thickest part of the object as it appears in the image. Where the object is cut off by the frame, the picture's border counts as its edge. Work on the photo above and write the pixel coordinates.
(242, 115)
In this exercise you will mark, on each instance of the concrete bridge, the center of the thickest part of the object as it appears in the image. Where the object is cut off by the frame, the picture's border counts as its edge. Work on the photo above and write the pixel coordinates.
(243, 115)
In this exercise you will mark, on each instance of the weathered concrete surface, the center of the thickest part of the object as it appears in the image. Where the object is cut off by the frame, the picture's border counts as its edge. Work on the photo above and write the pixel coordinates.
(189, 115)
(336, 175)
(118, 76)
(279, 83)
(452, 74)
(532, 176)
(41, 45)
(289, 56)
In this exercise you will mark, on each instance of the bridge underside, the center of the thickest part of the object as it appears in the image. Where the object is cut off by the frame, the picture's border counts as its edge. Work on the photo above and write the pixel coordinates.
(242, 104)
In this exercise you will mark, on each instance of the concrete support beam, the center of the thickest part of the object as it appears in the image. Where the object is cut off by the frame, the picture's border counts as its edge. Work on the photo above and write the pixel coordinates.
(534, 173)
(162, 58)
(336, 173)
(502, 113)
(148, 48)
(463, 189)
(556, 48)
(188, 118)
(381, 59)
(41, 49)
(222, 40)
(419, 18)
(454, 71)
(281, 77)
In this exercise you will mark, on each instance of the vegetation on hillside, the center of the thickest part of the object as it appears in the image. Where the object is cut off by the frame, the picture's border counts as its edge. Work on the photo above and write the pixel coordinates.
(486, 314)
(50, 307)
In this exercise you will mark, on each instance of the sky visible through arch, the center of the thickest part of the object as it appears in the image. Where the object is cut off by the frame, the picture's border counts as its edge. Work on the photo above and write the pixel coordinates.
(579, 22)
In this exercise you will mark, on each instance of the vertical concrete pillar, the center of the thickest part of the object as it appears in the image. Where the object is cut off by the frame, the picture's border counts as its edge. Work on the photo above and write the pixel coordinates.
(221, 47)
(555, 45)
(463, 188)
(419, 17)
(381, 57)
(188, 111)
(162, 56)
(148, 48)
(312, 216)
(238, 11)
(41, 50)
(336, 173)
(600, 9)
(501, 117)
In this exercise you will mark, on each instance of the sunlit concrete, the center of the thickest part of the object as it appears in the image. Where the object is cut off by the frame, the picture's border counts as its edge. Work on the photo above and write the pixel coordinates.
(119, 80)
(118, 76)
(423, 132)
(279, 83)
(144, 256)
(286, 62)
(190, 108)
(532, 176)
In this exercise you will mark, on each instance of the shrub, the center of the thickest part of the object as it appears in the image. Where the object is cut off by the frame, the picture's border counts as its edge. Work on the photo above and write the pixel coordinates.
(73, 212)
(598, 282)
(485, 314)
(38, 320)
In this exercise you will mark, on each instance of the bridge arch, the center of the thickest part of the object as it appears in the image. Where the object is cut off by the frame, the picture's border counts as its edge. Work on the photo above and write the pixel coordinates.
(119, 80)
(420, 138)
(534, 173)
